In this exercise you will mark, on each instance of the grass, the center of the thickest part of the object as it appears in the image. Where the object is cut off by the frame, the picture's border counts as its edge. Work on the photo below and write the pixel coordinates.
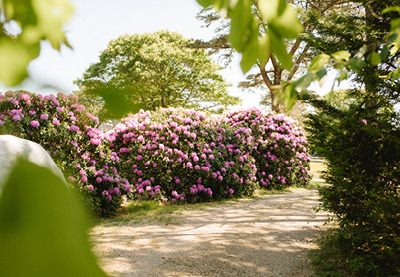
(316, 167)
(329, 260)
(139, 210)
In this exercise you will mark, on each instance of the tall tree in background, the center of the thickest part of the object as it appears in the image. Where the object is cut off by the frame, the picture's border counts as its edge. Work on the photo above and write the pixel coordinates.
(269, 75)
(158, 70)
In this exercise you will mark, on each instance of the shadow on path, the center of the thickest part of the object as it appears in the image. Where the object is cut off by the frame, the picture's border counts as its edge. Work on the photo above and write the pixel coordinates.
(268, 236)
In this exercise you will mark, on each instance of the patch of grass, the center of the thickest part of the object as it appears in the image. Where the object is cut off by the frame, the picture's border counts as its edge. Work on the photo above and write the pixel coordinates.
(329, 260)
(316, 167)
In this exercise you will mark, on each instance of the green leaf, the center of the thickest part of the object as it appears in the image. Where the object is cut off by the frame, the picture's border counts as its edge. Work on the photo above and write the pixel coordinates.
(289, 96)
(341, 56)
(116, 101)
(288, 24)
(205, 3)
(279, 49)
(391, 9)
(264, 49)
(43, 227)
(374, 58)
(271, 9)
(304, 82)
(241, 25)
(356, 64)
(319, 62)
(14, 58)
(384, 54)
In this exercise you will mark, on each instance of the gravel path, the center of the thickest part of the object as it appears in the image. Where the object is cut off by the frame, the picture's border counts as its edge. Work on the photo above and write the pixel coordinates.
(267, 236)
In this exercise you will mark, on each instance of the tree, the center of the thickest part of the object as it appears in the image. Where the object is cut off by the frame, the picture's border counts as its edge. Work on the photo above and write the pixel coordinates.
(360, 138)
(159, 70)
(271, 74)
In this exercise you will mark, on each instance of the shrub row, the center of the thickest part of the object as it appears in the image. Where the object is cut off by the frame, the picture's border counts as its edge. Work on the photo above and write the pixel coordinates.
(169, 155)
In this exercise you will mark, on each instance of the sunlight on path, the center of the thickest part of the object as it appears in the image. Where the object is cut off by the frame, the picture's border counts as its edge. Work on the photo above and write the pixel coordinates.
(268, 236)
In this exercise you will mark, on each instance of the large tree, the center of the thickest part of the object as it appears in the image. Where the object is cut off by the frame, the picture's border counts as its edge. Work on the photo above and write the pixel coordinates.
(158, 70)
(268, 75)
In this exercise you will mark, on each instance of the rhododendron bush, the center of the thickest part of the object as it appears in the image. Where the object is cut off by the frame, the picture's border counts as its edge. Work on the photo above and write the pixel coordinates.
(172, 155)
(61, 126)
(183, 155)
(280, 147)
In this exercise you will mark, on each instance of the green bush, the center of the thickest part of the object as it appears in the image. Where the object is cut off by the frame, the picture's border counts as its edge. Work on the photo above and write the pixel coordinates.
(362, 147)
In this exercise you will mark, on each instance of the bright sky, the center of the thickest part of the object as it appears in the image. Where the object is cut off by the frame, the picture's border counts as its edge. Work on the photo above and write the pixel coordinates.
(96, 22)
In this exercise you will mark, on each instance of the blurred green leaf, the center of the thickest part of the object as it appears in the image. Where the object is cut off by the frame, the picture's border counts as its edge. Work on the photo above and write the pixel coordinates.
(374, 58)
(264, 49)
(205, 3)
(43, 227)
(356, 64)
(241, 25)
(117, 102)
(341, 56)
(290, 96)
(272, 9)
(14, 58)
(279, 49)
(319, 62)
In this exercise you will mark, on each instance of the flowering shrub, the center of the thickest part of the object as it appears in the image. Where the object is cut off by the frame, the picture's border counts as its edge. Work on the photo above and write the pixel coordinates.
(180, 154)
(60, 125)
(170, 155)
(280, 147)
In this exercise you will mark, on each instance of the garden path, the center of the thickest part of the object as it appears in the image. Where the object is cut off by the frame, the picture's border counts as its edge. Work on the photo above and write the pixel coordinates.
(266, 236)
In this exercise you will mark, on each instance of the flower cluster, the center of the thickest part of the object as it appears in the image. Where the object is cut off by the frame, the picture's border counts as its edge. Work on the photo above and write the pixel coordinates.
(60, 125)
(280, 147)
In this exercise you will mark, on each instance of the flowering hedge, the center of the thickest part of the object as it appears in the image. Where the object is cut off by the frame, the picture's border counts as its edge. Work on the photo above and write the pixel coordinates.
(60, 125)
(280, 147)
(170, 155)
(182, 155)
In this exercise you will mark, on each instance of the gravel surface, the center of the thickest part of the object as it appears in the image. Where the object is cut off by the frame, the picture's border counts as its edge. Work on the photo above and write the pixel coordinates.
(268, 236)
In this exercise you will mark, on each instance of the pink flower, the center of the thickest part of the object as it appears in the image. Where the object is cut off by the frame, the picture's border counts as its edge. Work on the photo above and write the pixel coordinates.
(73, 128)
(84, 178)
(55, 122)
(34, 123)
(95, 141)
(139, 157)
(99, 179)
(211, 157)
(44, 116)
(230, 191)
(90, 187)
(116, 190)
(364, 121)
(17, 117)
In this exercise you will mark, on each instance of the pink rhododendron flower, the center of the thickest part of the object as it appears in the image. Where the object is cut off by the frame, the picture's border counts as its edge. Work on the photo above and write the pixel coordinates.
(35, 123)
(44, 116)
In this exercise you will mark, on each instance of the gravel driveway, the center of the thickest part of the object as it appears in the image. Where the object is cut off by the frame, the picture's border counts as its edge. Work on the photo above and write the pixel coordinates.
(268, 236)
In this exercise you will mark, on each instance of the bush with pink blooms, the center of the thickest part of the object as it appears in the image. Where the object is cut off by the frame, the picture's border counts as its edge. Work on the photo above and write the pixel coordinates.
(183, 155)
(280, 147)
(61, 126)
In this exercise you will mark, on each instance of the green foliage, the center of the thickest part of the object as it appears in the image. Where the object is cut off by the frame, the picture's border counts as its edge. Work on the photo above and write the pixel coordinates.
(362, 149)
(155, 70)
(39, 20)
(43, 227)
(245, 35)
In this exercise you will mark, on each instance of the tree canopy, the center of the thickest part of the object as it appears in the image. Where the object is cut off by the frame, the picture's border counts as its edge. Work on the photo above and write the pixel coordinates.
(278, 68)
(158, 70)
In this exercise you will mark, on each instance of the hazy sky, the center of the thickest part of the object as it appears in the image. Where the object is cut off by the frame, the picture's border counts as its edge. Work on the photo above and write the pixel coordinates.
(96, 22)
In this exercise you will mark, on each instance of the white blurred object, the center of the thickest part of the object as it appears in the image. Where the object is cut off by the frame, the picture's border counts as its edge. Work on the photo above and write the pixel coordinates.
(12, 148)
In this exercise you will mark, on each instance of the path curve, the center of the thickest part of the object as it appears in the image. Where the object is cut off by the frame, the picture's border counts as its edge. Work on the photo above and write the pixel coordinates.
(267, 236)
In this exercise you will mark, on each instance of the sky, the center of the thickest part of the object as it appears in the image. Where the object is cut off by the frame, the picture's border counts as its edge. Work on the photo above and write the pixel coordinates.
(96, 22)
